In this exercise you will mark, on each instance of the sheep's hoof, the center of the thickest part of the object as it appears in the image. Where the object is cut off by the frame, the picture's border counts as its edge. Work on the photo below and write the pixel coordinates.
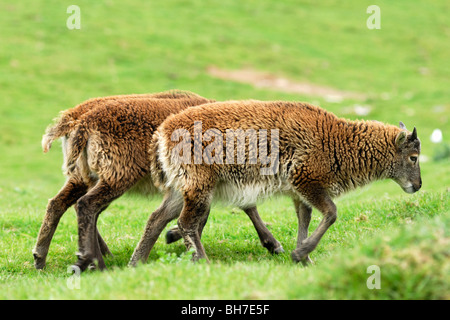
(39, 261)
(83, 262)
(92, 266)
(172, 236)
(273, 247)
(307, 262)
(278, 250)
(296, 257)
(299, 255)
(97, 264)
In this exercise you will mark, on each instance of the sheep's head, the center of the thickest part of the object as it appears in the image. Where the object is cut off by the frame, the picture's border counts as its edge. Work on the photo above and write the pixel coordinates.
(406, 169)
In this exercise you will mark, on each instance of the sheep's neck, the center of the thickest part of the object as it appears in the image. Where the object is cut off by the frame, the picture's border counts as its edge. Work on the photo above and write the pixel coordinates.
(362, 152)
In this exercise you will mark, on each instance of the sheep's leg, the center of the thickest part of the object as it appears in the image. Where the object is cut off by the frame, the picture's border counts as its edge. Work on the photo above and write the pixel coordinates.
(194, 210)
(104, 250)
(101, 249)
(102, 244)
(328, 209)
(174, 234)
(93, 258)
(57, 206)
(166, 212)
(88, 208)
(267, 239)
(304, 218)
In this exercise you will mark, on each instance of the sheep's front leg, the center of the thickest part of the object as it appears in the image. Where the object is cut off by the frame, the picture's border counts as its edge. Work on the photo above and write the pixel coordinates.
(57, 206)
(304, 218)
(166, 212)
(328, 209)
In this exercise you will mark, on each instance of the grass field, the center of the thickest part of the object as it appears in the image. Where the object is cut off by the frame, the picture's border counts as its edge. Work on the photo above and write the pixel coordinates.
(402, 71)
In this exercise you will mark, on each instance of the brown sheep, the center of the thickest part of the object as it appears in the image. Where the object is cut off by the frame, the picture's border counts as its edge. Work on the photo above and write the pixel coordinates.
(317, 156)
(105, 143)
(79, 181)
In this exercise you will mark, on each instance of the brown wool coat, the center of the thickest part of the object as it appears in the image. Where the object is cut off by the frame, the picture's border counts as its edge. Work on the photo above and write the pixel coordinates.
(111, 124)
(114, 136)
(315, 147)
(69, 119)
(320, 156)
(105, 144)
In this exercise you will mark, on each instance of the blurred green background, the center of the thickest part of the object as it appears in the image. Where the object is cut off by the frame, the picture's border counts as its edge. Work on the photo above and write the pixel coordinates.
(397, 73)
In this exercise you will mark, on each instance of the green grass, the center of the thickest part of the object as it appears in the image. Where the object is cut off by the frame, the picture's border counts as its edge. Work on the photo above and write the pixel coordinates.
(408, 240)
(138, 47)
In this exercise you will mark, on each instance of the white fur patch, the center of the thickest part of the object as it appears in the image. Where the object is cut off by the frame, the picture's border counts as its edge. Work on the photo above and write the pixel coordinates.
(245, 196)
(171, 170)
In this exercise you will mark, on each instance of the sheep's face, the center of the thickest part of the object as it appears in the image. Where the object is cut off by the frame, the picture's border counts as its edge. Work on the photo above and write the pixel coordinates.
(406, 169)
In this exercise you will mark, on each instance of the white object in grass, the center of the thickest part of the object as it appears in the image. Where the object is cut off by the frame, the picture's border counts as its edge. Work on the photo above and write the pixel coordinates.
(436, 136)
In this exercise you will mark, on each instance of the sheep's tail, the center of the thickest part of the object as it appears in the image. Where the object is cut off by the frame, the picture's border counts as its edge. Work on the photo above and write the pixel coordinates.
(61, 128)
(76, 143)
(157, 173)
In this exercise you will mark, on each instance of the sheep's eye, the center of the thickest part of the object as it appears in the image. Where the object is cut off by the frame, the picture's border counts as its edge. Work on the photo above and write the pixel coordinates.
(413, 159)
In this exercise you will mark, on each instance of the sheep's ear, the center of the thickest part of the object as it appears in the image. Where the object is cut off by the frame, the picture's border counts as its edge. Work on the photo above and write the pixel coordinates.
(401, 138)
(402, 125)
(414, 134)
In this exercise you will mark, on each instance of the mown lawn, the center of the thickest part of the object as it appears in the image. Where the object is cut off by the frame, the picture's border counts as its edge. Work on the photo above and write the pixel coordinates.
(147, 46)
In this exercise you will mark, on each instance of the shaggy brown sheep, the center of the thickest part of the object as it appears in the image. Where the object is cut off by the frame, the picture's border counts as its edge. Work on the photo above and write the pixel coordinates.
(105, 147)
(315, 156)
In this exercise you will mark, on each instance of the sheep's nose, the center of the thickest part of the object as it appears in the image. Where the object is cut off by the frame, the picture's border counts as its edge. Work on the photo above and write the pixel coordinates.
(417, 187)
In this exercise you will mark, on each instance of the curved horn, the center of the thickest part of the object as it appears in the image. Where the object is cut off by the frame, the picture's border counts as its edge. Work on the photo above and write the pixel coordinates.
(402, 125)
(414, 134)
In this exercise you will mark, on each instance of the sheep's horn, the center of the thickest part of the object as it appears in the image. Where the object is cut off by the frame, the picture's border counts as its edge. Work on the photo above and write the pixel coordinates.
(402, 125)
(414, 134)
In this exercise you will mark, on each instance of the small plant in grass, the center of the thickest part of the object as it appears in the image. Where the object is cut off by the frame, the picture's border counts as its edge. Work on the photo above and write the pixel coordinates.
(173, 258)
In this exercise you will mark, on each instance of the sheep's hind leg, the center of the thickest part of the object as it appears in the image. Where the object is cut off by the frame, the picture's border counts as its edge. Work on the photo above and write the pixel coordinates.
(88, 208)
(101, 249)
(268, 241)
(194, 210)
(57, 206)
(102, 244)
